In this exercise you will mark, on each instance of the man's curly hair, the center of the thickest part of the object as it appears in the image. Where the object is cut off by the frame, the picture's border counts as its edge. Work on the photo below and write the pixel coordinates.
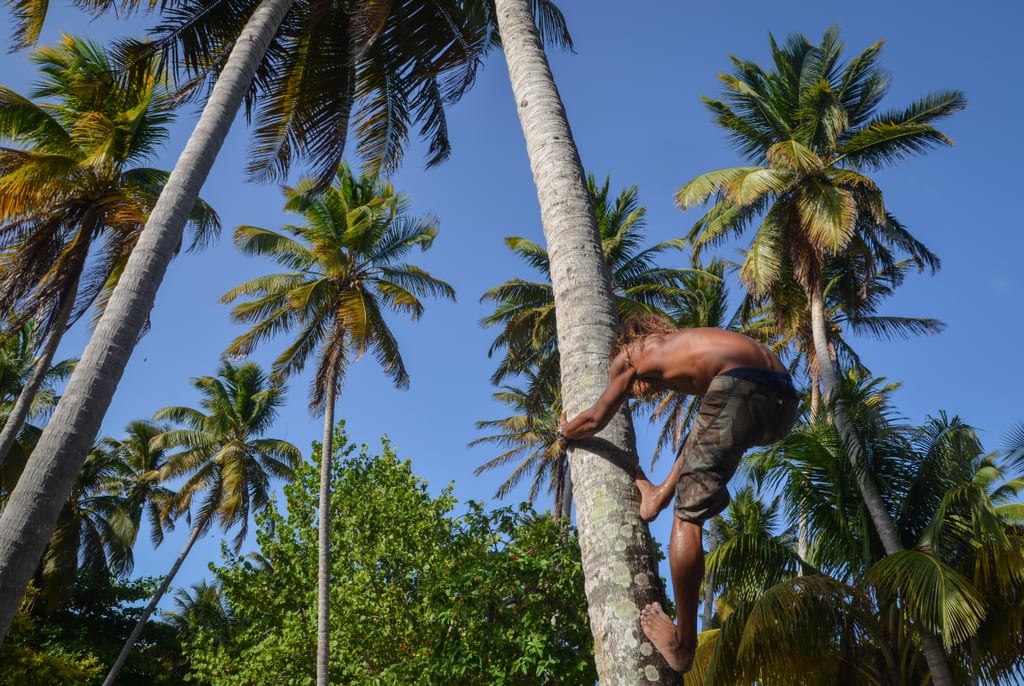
(634, 330)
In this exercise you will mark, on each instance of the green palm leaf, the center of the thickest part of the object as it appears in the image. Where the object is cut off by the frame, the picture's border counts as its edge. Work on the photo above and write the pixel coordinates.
(933, 594)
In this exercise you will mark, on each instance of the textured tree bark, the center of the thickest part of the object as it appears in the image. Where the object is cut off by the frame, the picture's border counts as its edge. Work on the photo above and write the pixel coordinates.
(614, 542)
(44, 486)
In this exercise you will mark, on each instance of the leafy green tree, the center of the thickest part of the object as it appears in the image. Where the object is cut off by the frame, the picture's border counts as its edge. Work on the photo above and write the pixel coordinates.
(26, 660)
(86, 634)
(346, 272)
(482, 598)
(812, 128)
(225, 459)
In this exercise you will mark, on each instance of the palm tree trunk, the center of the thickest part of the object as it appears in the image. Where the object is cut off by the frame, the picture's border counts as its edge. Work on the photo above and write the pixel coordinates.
(884, 526)
(164, 585)
(323, 594)
(709, 579)
(614, 542)
(45, 484)
(803, 544)
(16, 420)
(565, 511)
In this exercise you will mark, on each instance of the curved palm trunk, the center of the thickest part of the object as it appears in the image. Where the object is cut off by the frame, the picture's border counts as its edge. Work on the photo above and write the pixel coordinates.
(49, 476)
(16, 420)
(164, 585)
(932, 647)
(323, 593)
(615, 544)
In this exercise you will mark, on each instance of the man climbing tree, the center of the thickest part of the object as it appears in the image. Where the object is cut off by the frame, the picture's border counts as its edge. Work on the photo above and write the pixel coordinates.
(748, 399)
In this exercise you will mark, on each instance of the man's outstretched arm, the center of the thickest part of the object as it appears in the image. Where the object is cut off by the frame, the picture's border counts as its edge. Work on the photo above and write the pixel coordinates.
(597, 416)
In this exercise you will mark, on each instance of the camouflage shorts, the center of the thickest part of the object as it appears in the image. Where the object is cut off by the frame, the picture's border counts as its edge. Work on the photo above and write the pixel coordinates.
(735, 414)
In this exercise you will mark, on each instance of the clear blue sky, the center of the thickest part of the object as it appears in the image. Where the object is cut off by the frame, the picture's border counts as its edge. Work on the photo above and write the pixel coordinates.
(632, 94)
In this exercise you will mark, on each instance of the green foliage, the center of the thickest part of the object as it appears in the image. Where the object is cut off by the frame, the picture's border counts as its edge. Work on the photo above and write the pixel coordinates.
(74, 645)
(854, 610)
(24, 661)
(417, 595)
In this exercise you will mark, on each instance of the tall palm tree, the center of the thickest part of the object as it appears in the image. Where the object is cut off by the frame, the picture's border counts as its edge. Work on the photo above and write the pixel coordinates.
(94, 534)
(612, 535)
(346, 272)
(530, 436)
(368, 54)
(17, 364)
(225, 460)
(857, 610)
(73, 196)
(813, 128)
(525, 310)
(141, 486)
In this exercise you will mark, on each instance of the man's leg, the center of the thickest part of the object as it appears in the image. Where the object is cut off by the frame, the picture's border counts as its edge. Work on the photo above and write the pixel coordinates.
(654, 499)
(677, 642)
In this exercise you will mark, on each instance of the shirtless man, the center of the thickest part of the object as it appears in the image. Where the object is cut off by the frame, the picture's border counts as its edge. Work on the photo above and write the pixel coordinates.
(748, 399)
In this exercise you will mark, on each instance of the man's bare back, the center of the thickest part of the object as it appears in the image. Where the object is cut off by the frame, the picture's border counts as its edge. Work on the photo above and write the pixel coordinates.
(687, 360)
(683, 360)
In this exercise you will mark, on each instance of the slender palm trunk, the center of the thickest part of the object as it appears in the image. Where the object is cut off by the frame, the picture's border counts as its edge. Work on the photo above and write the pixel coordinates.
(565, 507)
(803, 544)
(45, 484)
(614, 542)
(709, 578)
(164, 585)
(16, 420)
(884, 526)
(323, 593)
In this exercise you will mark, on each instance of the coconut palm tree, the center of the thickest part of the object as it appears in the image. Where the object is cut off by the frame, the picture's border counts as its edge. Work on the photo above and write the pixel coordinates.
(530, 436)
(94, 534)
(612, 536)
(225, 460)
(346, 272)
(858, 611)
(201, 608)
(17, 364)
(73, 196)
(323, 53)
(812, 128)
(525, 310)
(141, 486)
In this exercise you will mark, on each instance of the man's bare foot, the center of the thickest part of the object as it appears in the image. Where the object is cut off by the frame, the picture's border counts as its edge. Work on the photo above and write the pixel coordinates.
(653, 499)
(660, 630)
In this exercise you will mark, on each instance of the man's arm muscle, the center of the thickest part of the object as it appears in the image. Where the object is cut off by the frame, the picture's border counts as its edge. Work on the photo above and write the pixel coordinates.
(597, 416)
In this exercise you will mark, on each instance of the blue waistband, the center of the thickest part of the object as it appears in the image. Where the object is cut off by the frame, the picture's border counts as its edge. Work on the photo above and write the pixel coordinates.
(780, 382)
